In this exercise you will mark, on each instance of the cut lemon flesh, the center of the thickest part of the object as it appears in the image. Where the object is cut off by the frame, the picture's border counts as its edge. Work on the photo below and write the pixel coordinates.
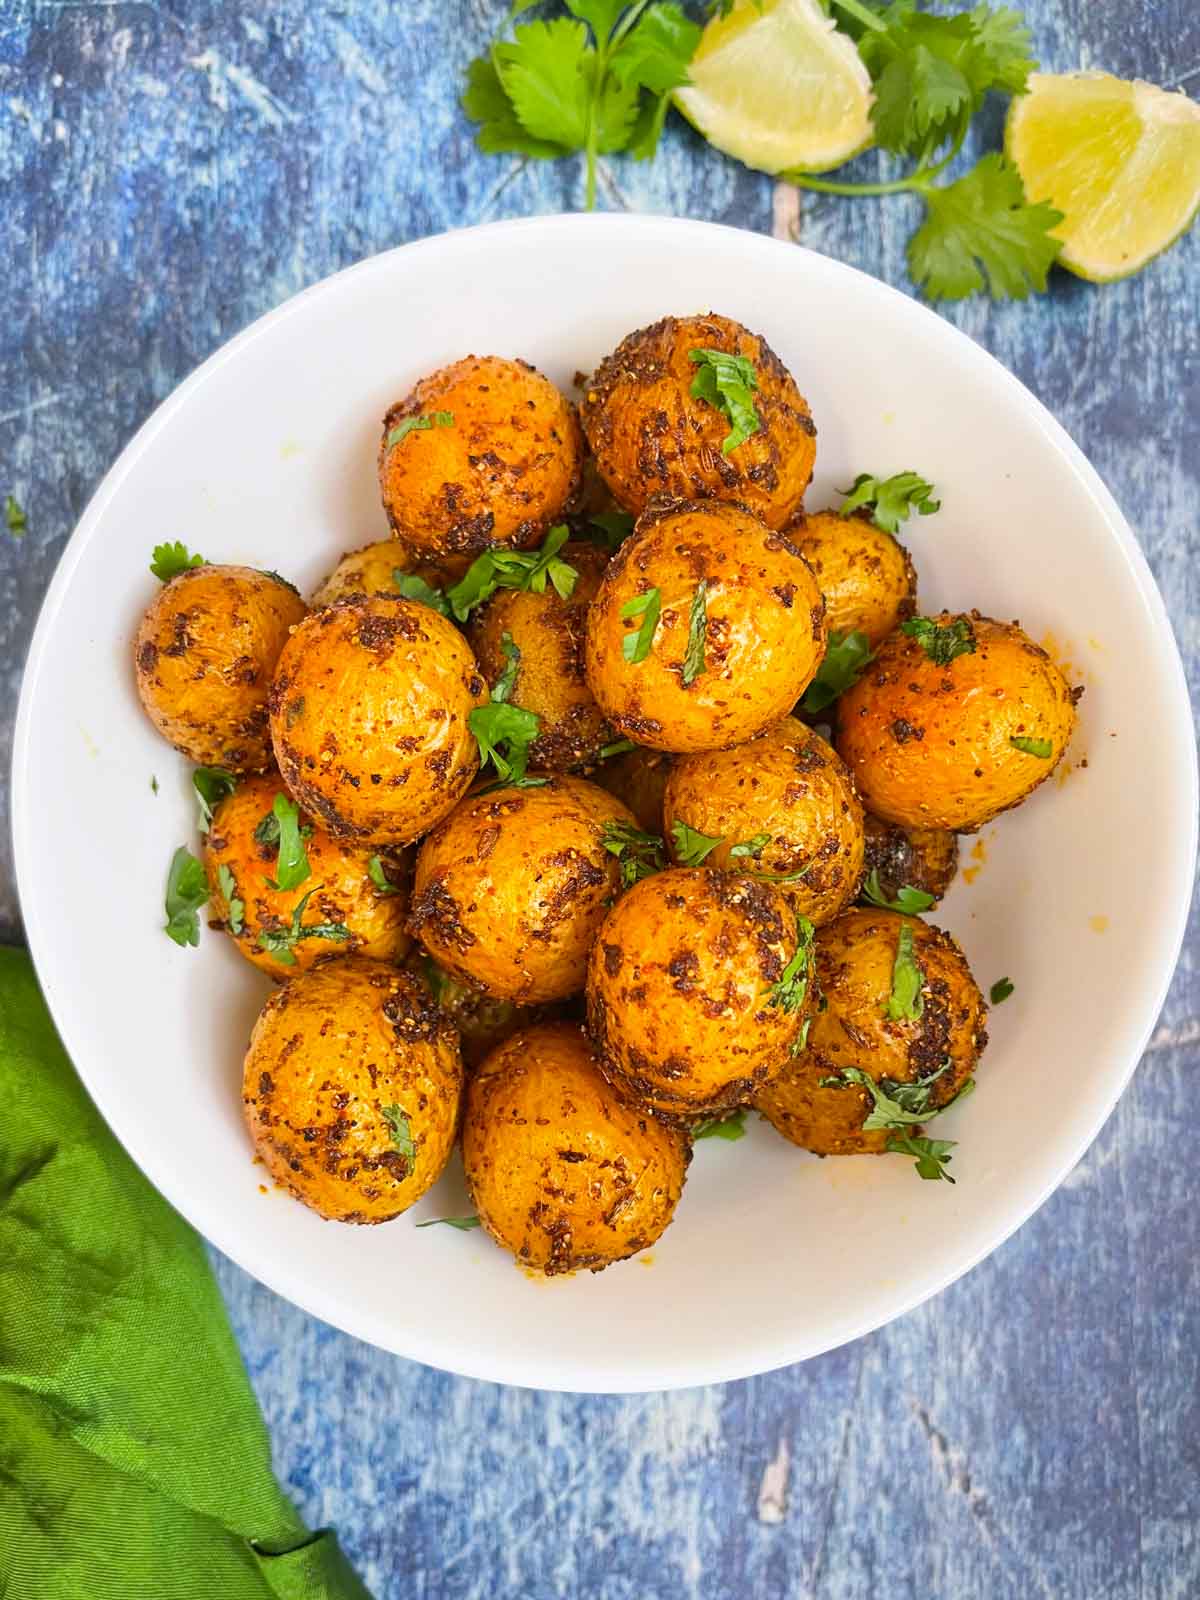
(780, 88)
(1120, 159)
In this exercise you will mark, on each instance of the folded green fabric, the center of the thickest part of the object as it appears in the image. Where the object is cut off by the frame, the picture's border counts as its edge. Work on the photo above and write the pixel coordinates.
(133, 1458)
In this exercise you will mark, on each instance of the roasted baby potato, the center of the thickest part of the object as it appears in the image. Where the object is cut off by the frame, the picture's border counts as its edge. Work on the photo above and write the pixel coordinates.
(483, 1021)
(866, 576)
(698, 987)
(510, 889)
(651, 434)
(483, 452)
(351, 1089)
(786, 803)
(372, 569)
(954, 723)
(351, 901)
(857, 957)
(707, 628)
(548, 634)
(917, 858)
(369, 714)
(204, 655)
(561, 1171)
(638, 778)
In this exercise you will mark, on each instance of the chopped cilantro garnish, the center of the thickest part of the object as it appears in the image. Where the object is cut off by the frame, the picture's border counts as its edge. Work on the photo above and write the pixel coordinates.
(1000, 990)
(401, 1130)
(693, 661)
(379, 877)
(14, 516)
(463, 1224)
(727, 382)
(212, 785)
(898, 1106)
(890, 500)
(792, 986)
(1042, 748)
(398, 434)
(235, 908)
(187, 892)
(635, 646)
(729, 1127)
(640, 854)
(942, 642)
(291, 864)
(847, 657)
(692, 849)
(909, 901)
(280, 942)
(172, 559)
(905, 1004)
(413, 587)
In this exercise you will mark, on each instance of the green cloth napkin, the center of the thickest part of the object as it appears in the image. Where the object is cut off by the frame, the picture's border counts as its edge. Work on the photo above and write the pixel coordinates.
(133, 1459)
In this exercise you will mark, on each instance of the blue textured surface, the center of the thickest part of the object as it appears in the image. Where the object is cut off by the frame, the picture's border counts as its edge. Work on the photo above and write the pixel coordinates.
(168, 173)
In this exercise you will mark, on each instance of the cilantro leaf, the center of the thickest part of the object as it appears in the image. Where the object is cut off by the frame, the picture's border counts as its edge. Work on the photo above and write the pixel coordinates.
(383, 884)
(909, 902)
(187, 892)
(14, 516)
(905, 1004)
(513, 569)
(1000, 990)
(463, 1224)
(1042, 748)
(790, 989)
(503, 688)
(414, 588)
(693, 660)
(640, 854)
(486, 101)
(931, 1154)
(898, 1106)
(212, 785)
(890, 501)
(614, 527)
(750, 847)
(280, 942)
(691, 848)
(727, 382)
(172, 559)
(421, 424)
(847, 656)
(730, 1127)
(291, 864)
(546, 73)
(619, 747)
(942, 642)
(656, 53)
(401, 1130)
(504, 734)
(982, 232)
(635, 646)
(235, 908)
(1003, 49)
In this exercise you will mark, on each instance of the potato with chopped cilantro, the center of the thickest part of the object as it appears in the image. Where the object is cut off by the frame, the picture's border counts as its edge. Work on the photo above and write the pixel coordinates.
(899, 1008)
(370, 713)
(957, 719)
(782, 809)
(351, 1089)
(562, 1172)
(923, 860)
(483, 1021)
(204, 654)
(699, 986)
(638, 778)
(542, 632)
(700, 407)
(706, 629)
(510, 889)
(865, 574)
(371, 570)
(481, 453)
(291, 895)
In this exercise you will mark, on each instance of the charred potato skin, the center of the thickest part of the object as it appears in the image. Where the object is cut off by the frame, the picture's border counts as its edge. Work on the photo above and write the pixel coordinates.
(369, 717)
(679, 993)
(866, 576)
(371, 569)
(638, 778)
(764, 635)
(651, 437)
(510, 889)
(340, 880)
(203, 657)
(561, 1171)
(929, 745)
(791, 785)
(919, 858)
(329, 1053)
(549, 632)
(507, 467)
(855, 956)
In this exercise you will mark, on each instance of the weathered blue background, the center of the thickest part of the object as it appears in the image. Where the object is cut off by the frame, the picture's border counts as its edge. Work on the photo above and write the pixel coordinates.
(171, 168)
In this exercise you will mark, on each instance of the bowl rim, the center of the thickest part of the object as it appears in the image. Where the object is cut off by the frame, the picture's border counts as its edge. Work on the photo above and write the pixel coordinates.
(1176, 728)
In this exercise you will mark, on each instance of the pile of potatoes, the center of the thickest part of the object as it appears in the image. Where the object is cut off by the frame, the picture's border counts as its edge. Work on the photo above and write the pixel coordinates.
(650, 921)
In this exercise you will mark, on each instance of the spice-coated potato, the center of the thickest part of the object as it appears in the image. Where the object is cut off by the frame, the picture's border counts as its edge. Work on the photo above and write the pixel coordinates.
(919, 858)
(789, 786)
(856, 957)
(204, 655)
(352, 1087)
(740, 634)
(698, 988)
(561, 1171)
(498, 473)
(369, 716)
(932, 745)
(548, 631)
(348, 910)
(371, 570)
(866, 576)
(651, 436)
(639, 780)
(483, 1021)
(510, 889)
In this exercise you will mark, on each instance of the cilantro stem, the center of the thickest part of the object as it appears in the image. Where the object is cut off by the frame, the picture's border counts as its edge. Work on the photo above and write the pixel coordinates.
(868, 18)
(605, 49)
(917, 182)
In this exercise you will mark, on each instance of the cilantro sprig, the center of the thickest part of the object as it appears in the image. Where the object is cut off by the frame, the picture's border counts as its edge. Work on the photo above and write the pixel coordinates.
(791, 988)
(640, 854)
(282, 826)
(187, 894)
(171, 559)
(496, 569)
(847, 656)
(897, 1107)
(504, 732)
(212, 785)
(727, 383)
(942, 642)
(905, 1004)
(281, 942)
(890, 501)
(691, 847)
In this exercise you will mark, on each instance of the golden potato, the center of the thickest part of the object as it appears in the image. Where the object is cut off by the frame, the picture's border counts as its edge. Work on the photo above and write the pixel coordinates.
(707, 628)
(651, 436)
(371, 570)
(510, 889)
(937, 743)
(856, 958)
(369, 716)
(338, 910)
(563, 1173)
(548, 631)
(698, 987)
(866, 575)
(204, 655)
(482, 1020)
(499, 471)
(639, 780)
(789, 796)
(351, 1089)
(919, 858)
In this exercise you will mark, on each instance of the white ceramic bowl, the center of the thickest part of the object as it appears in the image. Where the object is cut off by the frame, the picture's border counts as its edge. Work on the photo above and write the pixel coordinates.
(267, 455)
